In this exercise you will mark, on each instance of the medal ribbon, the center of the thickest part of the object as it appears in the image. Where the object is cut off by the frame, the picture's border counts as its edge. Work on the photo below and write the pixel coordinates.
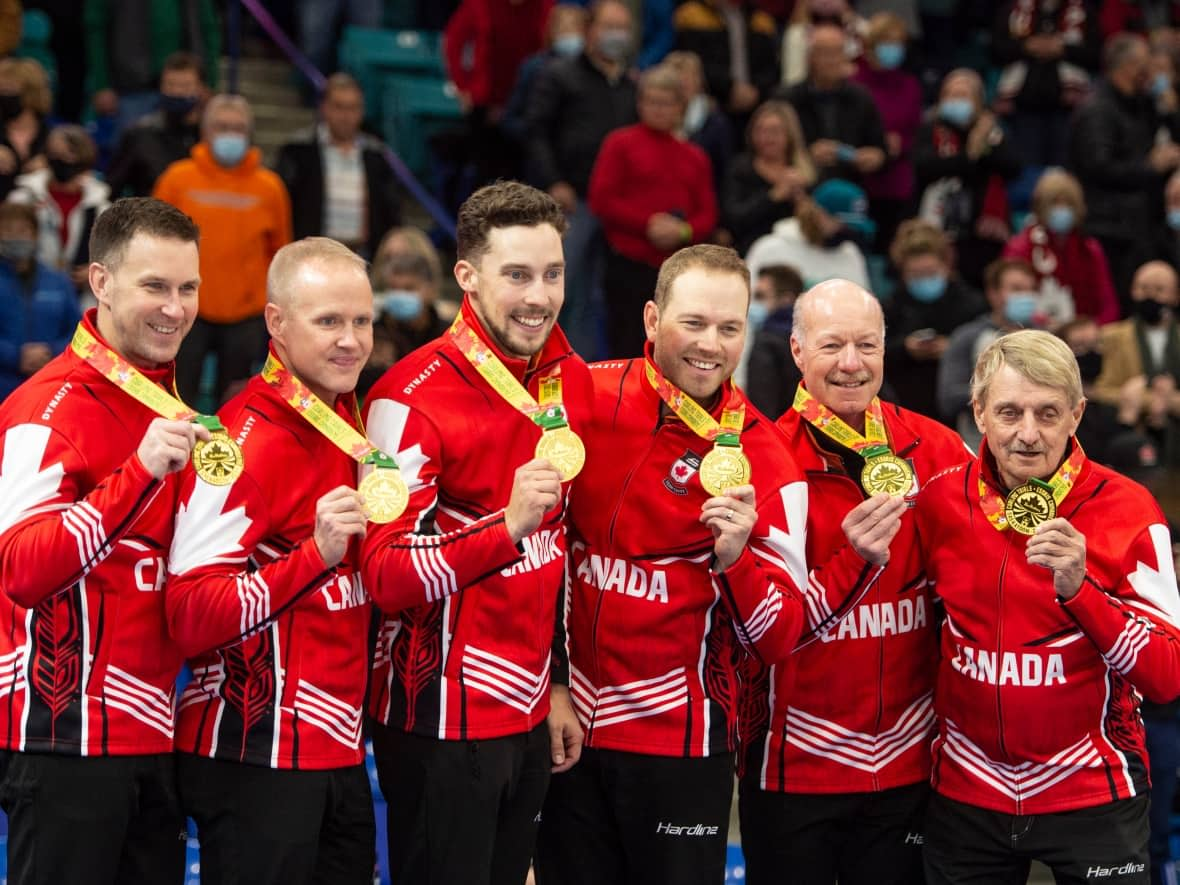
(134, 383)
(873, 442)
(727, 432)
(548, 414)
(1058, 485)
(317, 413)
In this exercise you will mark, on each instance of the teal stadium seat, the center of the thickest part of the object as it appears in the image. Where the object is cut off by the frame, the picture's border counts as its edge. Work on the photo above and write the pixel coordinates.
(371, 53)
(413, 109)
(36, 31)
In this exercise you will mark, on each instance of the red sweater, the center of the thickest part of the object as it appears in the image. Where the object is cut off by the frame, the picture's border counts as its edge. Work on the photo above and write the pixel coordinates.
(486, 40)
(1076, 262)
(640, 172)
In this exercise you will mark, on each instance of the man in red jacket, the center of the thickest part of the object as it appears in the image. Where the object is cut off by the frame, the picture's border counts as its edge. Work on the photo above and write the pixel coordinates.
(837, 735)
(686, 552)
(87, 672)
(265, 598)
(469, 575)
(1059, 589)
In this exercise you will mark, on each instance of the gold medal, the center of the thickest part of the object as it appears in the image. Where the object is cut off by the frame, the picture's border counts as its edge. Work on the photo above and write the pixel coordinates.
(385, 495)
(887, 474)
(1027, 506)
(564, 450)
(218, 460)
(724, 467)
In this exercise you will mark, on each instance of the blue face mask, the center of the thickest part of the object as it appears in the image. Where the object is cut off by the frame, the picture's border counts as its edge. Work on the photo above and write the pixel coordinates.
(1160, 84)
(400, 304)
(927, 289)
(1061, 219)
(1174, 219)
(759, 311)
(568, 44)
(1021, 307)
(229, 148)
(957, 111)
(890, 55)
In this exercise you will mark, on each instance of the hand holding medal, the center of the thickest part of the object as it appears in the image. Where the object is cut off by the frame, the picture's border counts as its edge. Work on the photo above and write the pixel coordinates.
(1058, 546)
(731, 518)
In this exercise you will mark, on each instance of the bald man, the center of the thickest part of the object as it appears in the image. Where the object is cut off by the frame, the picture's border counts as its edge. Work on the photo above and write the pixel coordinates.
(265, 599)
(1141, 359)
(835, 783)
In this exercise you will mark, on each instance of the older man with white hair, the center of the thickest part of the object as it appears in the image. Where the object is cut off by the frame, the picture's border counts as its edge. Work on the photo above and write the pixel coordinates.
(1059, 590)
(835, 782)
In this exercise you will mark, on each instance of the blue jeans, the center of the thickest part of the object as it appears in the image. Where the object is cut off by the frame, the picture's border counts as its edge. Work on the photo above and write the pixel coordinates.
(319, 21)
(585, 255)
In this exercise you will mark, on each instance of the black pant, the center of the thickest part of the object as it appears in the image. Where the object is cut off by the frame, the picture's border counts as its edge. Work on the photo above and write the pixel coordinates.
(966, 845)
(627, 285)
(96, 820)
(461, 812)
(621, 818)
(238, 346)
(856, 838)
(264, 826)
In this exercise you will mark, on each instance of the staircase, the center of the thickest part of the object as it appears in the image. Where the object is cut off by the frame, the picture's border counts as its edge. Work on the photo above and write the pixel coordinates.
(279, 113)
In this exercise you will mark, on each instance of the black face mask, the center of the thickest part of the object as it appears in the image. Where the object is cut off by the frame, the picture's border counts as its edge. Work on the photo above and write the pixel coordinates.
(64, 170)
(10, 106)
(176, 107)
(1150, 311)
(1090, 365)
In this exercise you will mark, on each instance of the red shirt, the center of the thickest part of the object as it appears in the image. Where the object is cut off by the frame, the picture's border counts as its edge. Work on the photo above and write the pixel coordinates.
(67, 201)
(486, 40)
(1076, 262)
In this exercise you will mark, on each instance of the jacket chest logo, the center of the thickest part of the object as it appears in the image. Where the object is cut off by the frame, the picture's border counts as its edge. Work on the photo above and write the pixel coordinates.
(682, 470)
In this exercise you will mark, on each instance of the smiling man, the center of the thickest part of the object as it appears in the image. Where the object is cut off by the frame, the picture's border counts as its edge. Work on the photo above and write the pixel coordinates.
(837, 736)
(266, 600)
(469, 575)
(90, 445)
(686, 552)
(1060, 595)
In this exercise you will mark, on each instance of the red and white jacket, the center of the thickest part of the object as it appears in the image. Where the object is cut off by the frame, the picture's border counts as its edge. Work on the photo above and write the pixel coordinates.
(86, 665)
(852, 710)
(278, 642)
(1038, 699)
(655, 635)
(466, 648)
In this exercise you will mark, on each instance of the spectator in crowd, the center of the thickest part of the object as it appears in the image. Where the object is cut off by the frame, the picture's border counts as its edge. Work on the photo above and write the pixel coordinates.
(1107, 432)
(654, 194)
(823, 240)
(840, 122)
(1163, 77)
(127, 44)
(320, 21)
(658, 28)
(38, 305)
(575, 103)
(25, 102)
(1137, 17)
(898, 97)
(485, 43)
(771, 373)
(1115, 153)
(806, 15)
(10, 26)
(1141, 360)
(565, 37)
(764, 184)
(244, 215)
(1072, 273)
(1166, 241)
(337, 177)
(67, 197)
(737, 44)
(931, 302)
(1010, 286)
(406, 280)
(1048, 50)
(962, 162)
(704, 124)
(165, 135)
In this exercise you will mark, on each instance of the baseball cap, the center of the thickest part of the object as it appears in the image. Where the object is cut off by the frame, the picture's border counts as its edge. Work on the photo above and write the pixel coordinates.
(847, 202)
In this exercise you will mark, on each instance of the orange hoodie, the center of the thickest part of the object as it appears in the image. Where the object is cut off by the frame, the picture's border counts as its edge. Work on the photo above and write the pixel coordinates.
(245, 217)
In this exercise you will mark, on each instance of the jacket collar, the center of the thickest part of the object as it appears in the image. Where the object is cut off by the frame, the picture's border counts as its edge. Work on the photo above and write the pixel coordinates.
(555, 349)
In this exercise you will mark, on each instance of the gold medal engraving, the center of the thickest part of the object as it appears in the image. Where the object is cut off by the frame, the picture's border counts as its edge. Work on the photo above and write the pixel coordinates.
(1027, 506)
(887, 474)
(385, 495)
(724, 467)
(218, 460)
(563, 449)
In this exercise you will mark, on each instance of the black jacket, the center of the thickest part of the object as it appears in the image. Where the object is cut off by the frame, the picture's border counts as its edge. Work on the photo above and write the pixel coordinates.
(848, 114)
(145, 151)
(573, 108)
(771, 374)
(1110, 138)
(301, 166)
(747, 210)
(1042, 85)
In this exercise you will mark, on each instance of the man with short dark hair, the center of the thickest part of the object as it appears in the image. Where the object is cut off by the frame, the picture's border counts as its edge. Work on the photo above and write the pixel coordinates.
(88, 447)
(771, 375)
(340, 183)
(482, 423)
